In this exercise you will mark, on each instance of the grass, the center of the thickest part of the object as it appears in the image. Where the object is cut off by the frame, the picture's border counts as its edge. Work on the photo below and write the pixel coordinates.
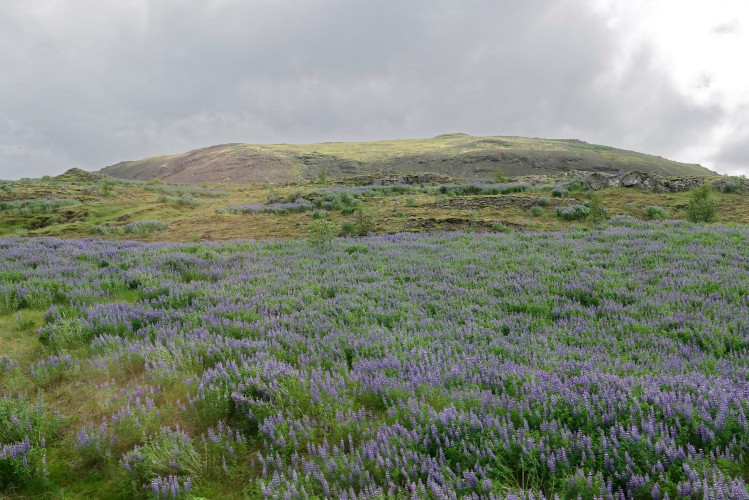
(394, 210)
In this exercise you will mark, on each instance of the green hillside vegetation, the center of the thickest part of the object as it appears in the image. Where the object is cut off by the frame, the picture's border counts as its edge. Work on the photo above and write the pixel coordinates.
(457, 155)
(79, 205)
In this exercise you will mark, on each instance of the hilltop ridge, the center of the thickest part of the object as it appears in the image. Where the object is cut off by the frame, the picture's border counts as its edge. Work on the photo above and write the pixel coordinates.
(457, 155)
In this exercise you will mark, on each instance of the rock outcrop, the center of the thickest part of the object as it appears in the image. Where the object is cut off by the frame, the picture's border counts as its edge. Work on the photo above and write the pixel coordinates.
(658, 184)
(391, 178)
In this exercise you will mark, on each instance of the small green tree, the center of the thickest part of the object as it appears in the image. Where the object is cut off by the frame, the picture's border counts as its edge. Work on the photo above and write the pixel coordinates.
(322, 177)
(500, 176)
(598, 212)
(321, 232)
(365, 222)
(107, 188)
(701, 207)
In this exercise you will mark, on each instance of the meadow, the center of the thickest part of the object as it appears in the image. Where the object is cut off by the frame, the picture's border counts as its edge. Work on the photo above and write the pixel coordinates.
(603, 363)
(82, 206)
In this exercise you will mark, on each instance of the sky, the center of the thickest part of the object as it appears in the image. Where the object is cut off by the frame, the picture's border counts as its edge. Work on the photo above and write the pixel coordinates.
(86, 83)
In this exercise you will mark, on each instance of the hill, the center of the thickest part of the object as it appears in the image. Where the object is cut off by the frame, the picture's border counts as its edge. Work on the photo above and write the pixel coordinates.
(457, 155)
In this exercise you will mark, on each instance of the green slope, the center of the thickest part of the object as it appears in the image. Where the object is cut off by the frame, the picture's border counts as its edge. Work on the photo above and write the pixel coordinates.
(457, 155)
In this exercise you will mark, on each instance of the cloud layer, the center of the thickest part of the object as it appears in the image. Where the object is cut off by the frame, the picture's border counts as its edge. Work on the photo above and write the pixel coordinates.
(87, 83)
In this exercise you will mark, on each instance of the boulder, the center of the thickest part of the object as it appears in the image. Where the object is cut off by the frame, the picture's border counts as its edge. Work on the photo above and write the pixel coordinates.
(649, 182)
(598, 180)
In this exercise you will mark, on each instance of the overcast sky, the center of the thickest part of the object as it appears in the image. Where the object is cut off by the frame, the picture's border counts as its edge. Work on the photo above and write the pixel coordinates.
(89, 83)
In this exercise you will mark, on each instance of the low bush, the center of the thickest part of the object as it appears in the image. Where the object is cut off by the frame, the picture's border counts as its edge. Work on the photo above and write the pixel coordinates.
(729, 186)
(573, 212)
(140, 228)
(655, 212)
(321, 232)
(702, 207)
(559, 192)
(36, 206)
(348, 228)
(180, 190)
(185, 200)
(598, 213)
(278, 208)
(365, 222)
(168, 453)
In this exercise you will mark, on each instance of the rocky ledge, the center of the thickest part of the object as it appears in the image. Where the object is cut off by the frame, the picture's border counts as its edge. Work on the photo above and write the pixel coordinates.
(659, 184)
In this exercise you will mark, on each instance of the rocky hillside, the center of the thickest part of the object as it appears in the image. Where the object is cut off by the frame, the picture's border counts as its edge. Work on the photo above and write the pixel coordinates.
(457, 155)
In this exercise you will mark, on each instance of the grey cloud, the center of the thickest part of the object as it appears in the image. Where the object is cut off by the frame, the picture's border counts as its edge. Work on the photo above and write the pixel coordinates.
(92, 83)
(733, 156)
(728, 28)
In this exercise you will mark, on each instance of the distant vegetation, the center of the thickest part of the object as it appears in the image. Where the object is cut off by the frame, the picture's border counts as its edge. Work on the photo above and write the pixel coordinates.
(79, 204)
(139, 228)
(35, 206)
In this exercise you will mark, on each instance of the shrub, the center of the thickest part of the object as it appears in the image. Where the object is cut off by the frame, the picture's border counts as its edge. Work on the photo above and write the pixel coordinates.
(146, 227)
(166, 453)
(36, 206)
(65, 333)
(573, 186)
(322, 177)
(500, 176)
(559, 192)
(729, 186)
(107, 188)
(655, 212)
(185, 200)
(292, 197)
(701, 207)
(181, 190)
(598, 212)
(345, 199)
(348, 228)
(279, 208)
(543, 201)
(320, 214)
(537, 211)
(410, 201)
(321, 232)
(101, 229)
(573, 212)
(141, 228)
(365, 222)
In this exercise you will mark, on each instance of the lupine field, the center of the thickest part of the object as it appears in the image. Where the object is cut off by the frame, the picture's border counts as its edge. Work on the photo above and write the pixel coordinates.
(611, 363)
